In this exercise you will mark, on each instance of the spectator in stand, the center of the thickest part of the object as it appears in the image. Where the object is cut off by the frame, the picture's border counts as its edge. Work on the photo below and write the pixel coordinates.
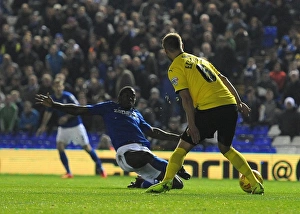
(46, 84)
(265, 83)
(8, 68)
(292, 88)
(36, 23)
(2, 98)
(154, 46)
(3, 17)
(216, 18)
(80, 86)
(281, 17)
(23, 18)
(124, 78)
(229, 37)
(148, 60)
(270, 60)
(9, 116)
(110, 82)
(29, 119)
(16, 98)
(247, 7)
(75, 62)
(140, 76)
(234, 11)
(270, 109)
(224, 58)
(53, 19)
(87, 120)
(39, 47)
(256, 31)
(101, 28)
(26, 72)
(196, 9)
(30, 90)
(279, 76)
(84, 21)
(95, 90)
(157, 104)
(27, 56)
(208, 37)
(256, 107)
(15, 84)
(120, 38)
(285, 51)
(72, 31)
(11, 45)
(206, 51)
(55, 60)
(289, 119)
(142, 35)
(242, 50)
(262, 10)
(250, 74)
(60, 42)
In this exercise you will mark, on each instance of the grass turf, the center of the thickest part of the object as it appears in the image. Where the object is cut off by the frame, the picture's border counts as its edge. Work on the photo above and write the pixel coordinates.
(91, 194)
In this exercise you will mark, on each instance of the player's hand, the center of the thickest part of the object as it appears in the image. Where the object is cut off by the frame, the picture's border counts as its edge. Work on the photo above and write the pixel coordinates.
(194, 133)
(244, 109)
(44, 100)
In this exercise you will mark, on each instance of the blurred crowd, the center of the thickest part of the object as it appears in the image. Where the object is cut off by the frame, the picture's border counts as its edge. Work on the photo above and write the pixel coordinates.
(99, 46)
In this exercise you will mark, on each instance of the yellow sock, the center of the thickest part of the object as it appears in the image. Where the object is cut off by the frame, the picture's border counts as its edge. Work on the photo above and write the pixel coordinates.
(175, 163)
(240, 163)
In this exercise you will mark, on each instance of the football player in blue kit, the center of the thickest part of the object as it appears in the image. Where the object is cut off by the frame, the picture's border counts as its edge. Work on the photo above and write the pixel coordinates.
(70, 128)
(126, 127)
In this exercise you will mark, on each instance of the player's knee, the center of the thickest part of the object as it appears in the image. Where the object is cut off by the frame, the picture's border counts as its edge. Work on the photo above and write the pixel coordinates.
(60, 146)
(223, 149)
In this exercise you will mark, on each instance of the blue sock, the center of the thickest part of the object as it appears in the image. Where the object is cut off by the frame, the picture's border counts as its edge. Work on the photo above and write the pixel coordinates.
(64, 160)
(147, 184)
(96, 159)
(159, 164)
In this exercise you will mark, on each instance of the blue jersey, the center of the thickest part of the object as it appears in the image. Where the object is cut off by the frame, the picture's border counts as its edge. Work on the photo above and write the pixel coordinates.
(66, 97)
(123, 126)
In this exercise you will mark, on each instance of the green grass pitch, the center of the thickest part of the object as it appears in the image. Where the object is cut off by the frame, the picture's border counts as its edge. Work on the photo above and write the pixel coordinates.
(91, 194)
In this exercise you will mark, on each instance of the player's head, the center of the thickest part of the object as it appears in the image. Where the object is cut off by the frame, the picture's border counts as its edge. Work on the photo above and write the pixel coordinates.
(126, 97)
(58, 86)
(172, 43)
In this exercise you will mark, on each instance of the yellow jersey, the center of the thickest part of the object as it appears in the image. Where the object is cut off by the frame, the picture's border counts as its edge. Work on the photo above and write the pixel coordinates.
(202, 80)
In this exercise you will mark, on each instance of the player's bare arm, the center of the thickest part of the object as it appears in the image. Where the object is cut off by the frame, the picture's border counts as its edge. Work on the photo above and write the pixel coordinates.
(162, 135)
(73, 109)
(189, 109)
(242, 107)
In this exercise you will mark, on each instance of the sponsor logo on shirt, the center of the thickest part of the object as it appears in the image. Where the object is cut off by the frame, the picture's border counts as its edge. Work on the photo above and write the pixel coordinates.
(127, 113)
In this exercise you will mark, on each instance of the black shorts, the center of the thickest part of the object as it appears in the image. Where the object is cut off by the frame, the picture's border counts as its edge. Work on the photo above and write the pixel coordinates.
(222, 119)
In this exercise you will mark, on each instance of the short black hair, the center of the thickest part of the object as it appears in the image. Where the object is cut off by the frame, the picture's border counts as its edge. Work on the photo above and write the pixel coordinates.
(126, 88)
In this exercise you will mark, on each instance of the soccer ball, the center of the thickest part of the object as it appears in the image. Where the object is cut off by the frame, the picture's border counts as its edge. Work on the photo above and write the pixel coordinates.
(244, 183)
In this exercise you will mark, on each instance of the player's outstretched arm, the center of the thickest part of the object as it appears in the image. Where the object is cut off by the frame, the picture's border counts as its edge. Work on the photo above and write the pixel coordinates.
(162, 135)
(67, 108)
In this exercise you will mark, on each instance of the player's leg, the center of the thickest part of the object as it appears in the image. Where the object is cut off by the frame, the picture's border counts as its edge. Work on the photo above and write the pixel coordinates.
(176, 160)
(96, 159)
(64, 159)
(61, 141)
(226, 130)
(80, 137)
